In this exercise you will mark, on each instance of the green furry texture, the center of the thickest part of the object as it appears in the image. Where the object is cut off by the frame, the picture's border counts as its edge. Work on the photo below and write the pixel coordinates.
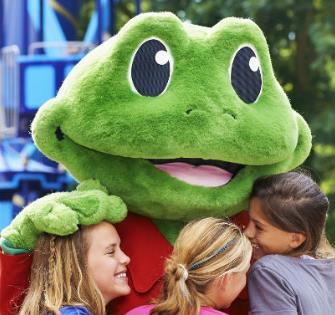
(169, 228)
(110, 131)
(91, 184)
(60, 214)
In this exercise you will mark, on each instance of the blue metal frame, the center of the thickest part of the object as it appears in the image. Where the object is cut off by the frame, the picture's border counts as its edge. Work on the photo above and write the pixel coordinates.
(98, 8)
(41, 30)
(2, 33)
(46, 178)
(48, 182)
(25, 27)
(59, 65)
(138, 6)
(112, 17)
(28, 187)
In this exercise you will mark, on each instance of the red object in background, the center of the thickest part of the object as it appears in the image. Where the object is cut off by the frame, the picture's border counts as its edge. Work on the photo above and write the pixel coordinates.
(241, 304)
(146, 247)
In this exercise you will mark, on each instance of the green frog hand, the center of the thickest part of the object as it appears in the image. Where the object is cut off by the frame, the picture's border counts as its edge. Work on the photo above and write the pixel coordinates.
(61, 214)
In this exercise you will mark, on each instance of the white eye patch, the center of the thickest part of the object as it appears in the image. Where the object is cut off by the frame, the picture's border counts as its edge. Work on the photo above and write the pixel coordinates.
(162, 57)
(254, 64)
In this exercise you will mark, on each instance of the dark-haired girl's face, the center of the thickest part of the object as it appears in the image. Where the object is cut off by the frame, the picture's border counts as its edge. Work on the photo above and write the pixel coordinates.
(266, 238)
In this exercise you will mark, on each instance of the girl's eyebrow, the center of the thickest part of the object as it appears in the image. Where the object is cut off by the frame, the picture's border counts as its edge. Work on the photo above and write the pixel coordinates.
(256, 221)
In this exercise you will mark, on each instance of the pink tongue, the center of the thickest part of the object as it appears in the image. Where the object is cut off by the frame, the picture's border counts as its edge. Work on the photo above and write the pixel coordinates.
(203, 175)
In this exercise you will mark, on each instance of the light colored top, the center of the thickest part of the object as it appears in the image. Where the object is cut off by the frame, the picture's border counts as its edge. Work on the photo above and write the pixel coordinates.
(284, 285)
(145, 310)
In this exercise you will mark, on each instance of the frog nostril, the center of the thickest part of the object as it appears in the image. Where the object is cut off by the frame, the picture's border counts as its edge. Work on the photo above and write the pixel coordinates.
(233, 115)
(230, 113)
(188, 111)
(59, 134)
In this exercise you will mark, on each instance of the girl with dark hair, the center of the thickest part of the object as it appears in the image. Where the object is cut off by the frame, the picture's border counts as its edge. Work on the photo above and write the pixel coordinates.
(295, 273)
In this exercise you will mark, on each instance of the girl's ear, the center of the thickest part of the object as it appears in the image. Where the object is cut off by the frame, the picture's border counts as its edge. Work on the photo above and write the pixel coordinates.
(224, 282)
(297, 239)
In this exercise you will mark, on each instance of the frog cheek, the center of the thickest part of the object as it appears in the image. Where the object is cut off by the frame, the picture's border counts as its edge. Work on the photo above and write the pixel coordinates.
(46, 127)
(304, 144)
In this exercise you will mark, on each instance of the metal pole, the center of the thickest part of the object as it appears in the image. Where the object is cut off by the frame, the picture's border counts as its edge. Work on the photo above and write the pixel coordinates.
(1, 26)
(41, 21)
(98, 8)
(138, 6)
(112, 18)
(25, 31)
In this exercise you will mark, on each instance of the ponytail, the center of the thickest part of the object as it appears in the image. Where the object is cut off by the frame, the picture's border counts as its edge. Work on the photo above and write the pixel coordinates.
(180, 295)
(205, 250)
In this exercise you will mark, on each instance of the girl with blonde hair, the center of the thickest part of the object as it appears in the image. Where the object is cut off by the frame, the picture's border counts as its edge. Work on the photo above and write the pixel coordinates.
(206, 271)
(77, 274)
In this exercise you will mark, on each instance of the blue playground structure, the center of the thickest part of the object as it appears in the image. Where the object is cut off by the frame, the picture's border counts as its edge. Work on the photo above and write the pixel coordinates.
(38, 48)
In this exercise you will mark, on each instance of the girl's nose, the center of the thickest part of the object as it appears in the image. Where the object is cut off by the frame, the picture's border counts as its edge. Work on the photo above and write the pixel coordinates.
(124, 259)
(250, 230)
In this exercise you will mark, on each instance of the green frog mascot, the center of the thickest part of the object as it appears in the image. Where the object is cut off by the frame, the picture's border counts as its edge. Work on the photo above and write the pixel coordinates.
(177, 121)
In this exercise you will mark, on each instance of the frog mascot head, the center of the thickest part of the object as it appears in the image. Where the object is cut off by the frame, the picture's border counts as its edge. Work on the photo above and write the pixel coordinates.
(176, 119)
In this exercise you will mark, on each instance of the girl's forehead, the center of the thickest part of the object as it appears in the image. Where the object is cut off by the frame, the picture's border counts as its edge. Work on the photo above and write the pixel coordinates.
(102, 233)
(255, 206)
(256, 210)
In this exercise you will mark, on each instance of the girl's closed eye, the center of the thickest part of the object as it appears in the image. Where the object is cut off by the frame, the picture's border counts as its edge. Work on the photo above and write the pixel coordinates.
(110, 250)
(258, 228)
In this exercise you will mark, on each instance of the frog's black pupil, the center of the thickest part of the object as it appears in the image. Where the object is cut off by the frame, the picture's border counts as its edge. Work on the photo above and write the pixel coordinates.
(246, 82)
(149, 77)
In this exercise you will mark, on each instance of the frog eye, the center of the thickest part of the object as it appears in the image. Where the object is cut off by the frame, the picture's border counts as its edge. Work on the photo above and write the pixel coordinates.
(151, 68)
(246, 77)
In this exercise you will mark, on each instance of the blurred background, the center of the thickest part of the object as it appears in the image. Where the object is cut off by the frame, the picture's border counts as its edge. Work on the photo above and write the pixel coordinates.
(300, 34)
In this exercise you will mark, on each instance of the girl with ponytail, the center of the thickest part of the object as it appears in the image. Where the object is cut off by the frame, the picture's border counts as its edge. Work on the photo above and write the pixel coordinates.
(206, 271)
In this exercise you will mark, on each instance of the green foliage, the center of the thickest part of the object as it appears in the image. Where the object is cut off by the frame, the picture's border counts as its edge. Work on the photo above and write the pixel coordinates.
(85, 14)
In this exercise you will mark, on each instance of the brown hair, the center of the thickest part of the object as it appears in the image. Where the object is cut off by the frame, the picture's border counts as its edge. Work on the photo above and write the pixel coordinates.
(59, 276)
(293, 202)
(205, 250)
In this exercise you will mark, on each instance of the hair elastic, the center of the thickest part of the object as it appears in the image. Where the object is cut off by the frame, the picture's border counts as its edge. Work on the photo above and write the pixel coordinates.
(182, 284)
(185, 272)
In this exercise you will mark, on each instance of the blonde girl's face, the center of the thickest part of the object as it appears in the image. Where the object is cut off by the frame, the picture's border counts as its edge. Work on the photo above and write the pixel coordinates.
(107, 263)
(266, 238)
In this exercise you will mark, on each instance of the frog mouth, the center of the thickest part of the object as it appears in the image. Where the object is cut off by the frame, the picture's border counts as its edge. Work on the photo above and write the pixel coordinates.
(199, 172)
(193, 171)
